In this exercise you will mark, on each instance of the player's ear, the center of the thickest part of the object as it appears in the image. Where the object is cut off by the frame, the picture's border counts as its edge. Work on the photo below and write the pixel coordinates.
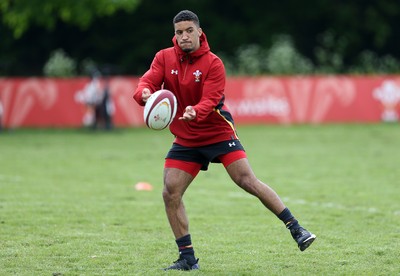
(200, 31)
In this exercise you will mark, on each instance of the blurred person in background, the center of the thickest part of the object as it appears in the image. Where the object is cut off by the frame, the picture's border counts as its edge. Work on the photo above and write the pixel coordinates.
(204, 132)
(104, 108)
(96, 96)
(90, 96)
(1, 116)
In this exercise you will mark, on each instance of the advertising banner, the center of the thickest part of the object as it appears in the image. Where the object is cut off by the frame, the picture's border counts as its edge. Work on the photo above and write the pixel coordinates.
(45, 102)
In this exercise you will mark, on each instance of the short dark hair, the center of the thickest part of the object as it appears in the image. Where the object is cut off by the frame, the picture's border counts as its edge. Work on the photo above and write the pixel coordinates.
(186, 15)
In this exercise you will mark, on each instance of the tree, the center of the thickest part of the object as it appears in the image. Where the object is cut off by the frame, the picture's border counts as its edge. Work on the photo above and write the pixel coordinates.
(125, 34)
(20, 14)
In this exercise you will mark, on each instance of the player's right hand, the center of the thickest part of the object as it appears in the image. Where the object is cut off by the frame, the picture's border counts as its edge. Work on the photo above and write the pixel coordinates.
(189, 114)
(145, 94)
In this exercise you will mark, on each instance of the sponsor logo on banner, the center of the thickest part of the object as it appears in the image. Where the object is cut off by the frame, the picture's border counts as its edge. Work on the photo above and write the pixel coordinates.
(263, 97)
(291, 100)
(389, 96)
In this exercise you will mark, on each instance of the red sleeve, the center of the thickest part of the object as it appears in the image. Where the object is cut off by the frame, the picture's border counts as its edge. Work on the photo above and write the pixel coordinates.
(152, 79)
(213, 91)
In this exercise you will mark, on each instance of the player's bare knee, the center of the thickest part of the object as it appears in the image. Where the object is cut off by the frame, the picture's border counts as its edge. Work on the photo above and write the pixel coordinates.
(243, 181)
(166, 194)
(170, 196)
(248, 183)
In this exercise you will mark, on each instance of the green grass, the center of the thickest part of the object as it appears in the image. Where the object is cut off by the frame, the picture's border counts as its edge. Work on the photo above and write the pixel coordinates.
(68, 204)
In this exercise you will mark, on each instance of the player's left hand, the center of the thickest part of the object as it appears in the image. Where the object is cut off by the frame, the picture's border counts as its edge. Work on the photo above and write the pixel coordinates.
(189, 115)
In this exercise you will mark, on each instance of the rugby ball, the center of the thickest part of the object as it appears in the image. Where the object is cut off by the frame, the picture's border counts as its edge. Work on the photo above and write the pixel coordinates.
(160, 109)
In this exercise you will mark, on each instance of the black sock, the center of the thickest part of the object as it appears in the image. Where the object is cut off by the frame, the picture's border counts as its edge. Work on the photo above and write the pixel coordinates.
(288, 219)
(186, 250)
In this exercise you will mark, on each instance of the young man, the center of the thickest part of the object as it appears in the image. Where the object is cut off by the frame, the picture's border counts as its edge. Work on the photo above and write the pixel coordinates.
(204, 132)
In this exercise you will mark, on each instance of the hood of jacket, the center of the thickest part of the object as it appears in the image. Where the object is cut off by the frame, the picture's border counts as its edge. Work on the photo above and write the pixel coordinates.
(204, 48)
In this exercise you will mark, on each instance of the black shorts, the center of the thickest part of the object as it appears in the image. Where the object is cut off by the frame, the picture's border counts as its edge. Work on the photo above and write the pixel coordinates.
(204, 155)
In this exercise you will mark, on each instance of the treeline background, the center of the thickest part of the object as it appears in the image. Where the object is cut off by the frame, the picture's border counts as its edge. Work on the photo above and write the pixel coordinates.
(72, 37)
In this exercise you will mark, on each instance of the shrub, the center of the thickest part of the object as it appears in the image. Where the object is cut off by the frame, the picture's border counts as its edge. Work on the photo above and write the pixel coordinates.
(371, 63)
(60, 65)
(283, 58)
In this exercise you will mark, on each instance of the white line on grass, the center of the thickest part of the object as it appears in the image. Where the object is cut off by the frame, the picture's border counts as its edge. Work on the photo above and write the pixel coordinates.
(332, 205)
(10, 178)
(329, 205)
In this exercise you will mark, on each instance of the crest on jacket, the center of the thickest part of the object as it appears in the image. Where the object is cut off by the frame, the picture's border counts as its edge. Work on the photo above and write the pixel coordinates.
(197, 75)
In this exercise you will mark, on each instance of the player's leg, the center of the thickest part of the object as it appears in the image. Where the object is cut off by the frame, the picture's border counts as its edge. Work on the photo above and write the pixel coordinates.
(177, 177)
(241, 173)
(176, 182)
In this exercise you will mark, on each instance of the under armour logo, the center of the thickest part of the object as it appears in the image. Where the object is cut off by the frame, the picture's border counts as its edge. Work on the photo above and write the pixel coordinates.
(174, 72)
(232, 144)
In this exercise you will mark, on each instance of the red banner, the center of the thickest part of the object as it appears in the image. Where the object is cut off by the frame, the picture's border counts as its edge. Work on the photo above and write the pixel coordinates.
(41, 102)
(314, 99)
(38, 102)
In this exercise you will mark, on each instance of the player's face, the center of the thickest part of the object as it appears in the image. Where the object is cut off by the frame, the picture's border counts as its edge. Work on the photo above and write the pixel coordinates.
(187, 35)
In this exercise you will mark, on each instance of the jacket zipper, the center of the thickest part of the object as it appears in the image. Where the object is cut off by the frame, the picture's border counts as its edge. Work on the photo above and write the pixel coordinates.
(186, 66)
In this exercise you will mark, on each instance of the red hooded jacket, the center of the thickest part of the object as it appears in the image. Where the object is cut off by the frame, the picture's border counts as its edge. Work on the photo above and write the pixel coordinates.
(196, 79)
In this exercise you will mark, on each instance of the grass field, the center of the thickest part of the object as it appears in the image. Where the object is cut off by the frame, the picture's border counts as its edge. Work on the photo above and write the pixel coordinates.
(68, 204)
